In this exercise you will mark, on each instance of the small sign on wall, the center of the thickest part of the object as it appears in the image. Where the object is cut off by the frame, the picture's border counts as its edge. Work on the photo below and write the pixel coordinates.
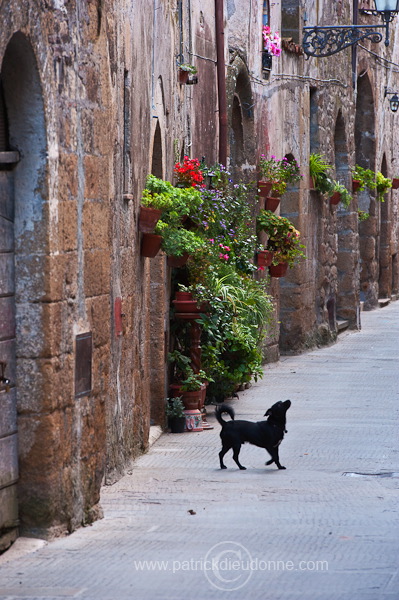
(83, 361)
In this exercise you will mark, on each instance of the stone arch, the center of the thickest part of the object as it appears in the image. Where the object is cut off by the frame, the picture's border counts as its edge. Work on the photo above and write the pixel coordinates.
(241, 122)
(347, 298)
(384, 254)
(27, 197)
(365, 146)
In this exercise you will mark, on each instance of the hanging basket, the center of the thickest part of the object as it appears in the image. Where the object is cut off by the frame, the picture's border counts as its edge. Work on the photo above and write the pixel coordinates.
(278, 270)
(183, 76)
(395, 183)
(148, 218)
(150, 244)
(356, 185)
(272, 203)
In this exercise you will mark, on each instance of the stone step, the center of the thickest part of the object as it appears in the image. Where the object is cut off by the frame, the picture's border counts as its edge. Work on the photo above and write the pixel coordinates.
(342, 325)
(383, 302)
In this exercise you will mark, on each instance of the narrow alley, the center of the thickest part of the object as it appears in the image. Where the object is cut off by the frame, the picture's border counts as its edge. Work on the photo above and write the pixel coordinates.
(178, 527)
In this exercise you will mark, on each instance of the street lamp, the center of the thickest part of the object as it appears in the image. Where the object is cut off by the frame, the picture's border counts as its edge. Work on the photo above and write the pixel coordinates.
(394, 101)
(326, 41)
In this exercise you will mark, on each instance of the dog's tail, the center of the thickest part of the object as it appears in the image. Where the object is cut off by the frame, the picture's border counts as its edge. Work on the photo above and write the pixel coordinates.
(220, 410)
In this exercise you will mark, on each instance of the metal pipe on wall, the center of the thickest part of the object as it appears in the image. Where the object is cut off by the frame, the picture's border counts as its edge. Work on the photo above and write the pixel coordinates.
(221, 80)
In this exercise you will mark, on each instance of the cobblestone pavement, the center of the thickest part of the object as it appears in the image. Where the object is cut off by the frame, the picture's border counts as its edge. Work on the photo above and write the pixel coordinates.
(324, 529)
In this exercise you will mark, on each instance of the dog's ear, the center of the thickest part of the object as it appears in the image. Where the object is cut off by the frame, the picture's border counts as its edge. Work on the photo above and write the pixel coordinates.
(268, 413)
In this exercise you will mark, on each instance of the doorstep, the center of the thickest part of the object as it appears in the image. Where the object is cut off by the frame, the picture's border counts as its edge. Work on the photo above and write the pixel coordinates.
(342, 325)
(382, 302)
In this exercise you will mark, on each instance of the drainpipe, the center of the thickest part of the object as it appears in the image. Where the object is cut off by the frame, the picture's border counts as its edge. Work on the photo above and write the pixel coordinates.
(354, 48)
(221, 80)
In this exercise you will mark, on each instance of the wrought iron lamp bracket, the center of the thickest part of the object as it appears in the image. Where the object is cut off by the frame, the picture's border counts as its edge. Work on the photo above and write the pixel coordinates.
(326, 41)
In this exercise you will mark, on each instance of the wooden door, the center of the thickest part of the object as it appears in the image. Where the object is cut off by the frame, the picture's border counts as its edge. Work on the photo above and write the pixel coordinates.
(8, 409)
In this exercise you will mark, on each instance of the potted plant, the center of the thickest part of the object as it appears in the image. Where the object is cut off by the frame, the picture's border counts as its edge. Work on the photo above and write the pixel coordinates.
(186, 69)
(362, 178)
(178, 243)
(283, 239)
(383, 184)
(340, 194)
(319, 172)
(185, 301)
(151, 209)
(175, 413)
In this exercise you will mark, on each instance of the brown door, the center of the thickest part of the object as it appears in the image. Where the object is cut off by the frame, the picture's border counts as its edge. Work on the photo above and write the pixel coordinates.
(8, 409)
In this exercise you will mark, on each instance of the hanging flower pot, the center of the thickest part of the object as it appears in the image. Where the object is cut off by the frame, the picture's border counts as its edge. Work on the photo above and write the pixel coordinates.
(356, 185)
(335, 198)
(150, 244)
(148, 218)
(264, 258)
(278, 270)
(271, 203)
(395, 183)
(264, 188)
(183, 76)
(178, 261)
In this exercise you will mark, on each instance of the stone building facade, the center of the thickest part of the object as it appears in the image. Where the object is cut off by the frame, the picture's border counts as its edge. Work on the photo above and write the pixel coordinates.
(90, 103)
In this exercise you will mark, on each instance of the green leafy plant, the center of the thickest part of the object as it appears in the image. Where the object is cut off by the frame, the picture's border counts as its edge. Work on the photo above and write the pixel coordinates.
(383, 184)
(283, 238)
(174, 407)
(192, 381)
(177, 241)
(175, 203)
(346, 197)
(320, 170)
(363, 215)
(279, 187)
(366, 177)
(188, 67)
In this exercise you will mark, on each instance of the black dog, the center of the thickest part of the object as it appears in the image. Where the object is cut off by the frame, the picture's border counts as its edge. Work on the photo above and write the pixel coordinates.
(265, 434)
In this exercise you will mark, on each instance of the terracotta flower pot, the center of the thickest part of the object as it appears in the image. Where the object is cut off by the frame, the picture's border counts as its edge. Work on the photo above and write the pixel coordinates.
(272, 203)
(150, 244)
(335, 198)
(192, 400)
(395, 183)
(356, 185)
(184, 303)
(264, 188)
(183, 76)
(278, 270)
(312, 183)
(264, 258)
(148, 218)
(178, 261)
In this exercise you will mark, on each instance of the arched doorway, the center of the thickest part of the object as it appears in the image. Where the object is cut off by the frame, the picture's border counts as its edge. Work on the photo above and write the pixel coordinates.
(23, 228)
(241, 124)
(365, 157)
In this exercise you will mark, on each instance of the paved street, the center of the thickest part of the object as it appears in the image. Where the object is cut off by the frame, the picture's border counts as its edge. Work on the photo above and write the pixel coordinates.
(178, 527)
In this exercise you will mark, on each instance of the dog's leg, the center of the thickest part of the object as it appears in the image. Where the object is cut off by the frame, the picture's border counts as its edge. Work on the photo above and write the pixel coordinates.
(236, 452)
(275, 458)
(221, 455)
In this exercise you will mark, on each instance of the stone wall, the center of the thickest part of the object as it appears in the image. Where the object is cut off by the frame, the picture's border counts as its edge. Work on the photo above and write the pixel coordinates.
(94, 106)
